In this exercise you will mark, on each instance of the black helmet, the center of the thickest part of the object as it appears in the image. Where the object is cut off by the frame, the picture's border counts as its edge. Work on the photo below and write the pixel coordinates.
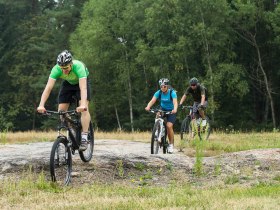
(64, 58)
(193, 81)
(163, 81)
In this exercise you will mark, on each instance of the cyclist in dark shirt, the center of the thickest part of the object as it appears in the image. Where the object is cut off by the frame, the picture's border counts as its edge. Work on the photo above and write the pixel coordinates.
(199, 94)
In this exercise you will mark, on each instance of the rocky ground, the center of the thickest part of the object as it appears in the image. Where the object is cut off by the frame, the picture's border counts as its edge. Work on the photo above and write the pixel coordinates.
(130, 162)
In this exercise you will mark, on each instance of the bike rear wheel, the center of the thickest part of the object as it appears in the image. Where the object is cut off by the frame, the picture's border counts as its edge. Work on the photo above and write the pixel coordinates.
(61, 162)
(155, 144)
(87, 154)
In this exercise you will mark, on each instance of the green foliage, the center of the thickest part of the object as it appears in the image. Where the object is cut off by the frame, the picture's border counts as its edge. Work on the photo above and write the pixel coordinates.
(128, 45)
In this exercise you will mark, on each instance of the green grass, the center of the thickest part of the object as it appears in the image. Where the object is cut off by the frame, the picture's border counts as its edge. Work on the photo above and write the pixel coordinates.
(28, 194)
(225, 143)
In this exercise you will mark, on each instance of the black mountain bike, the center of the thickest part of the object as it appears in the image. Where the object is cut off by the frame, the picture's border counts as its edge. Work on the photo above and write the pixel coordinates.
(192, 125)
(65, 146)
(159, 134)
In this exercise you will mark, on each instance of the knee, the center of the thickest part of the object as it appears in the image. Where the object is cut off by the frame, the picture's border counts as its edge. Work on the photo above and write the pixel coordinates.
(169, 126)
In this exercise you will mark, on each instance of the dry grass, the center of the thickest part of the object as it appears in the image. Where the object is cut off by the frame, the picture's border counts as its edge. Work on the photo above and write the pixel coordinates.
(218, 142)
(39, 136)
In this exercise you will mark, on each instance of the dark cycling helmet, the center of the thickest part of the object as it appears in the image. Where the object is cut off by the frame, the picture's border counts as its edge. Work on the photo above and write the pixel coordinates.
(163, 81)
(193, 81)
(64, 58)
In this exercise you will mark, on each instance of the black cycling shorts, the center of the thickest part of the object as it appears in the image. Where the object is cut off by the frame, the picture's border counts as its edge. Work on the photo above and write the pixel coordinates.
(171, 118)
(67, 91)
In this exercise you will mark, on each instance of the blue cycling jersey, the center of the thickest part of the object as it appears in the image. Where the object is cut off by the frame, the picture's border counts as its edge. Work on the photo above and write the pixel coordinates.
(165, 102)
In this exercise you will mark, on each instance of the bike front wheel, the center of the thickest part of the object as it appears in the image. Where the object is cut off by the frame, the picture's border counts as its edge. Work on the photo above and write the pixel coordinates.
(204, 131)
(155, 144)
(61, 162)
(185, 128)
(87, 154)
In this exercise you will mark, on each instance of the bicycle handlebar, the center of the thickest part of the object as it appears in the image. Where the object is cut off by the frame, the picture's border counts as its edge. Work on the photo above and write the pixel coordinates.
(49, 112)
(187, 107)
(161, 111)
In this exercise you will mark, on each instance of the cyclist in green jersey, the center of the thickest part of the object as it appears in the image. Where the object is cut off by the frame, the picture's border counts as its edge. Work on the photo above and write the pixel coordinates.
(76, 83)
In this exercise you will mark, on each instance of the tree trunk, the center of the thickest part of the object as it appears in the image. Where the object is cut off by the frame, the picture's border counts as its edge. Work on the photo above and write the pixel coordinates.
(187, 67)
(266, 109)
(117, 116)
(130, 103)
(210, 70)
(267, 86)
(251, 39)
(145, 74)
(34, 117)
(129, 94)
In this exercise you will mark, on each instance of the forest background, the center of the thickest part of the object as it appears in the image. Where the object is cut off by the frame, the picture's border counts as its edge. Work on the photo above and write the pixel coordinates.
(231, 46)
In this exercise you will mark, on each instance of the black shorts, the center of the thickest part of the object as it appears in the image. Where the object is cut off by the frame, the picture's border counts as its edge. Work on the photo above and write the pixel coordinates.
(170, 117)
(67, 91)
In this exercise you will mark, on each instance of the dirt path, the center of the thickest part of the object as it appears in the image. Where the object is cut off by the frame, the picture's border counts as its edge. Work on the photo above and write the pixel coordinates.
(119, 161)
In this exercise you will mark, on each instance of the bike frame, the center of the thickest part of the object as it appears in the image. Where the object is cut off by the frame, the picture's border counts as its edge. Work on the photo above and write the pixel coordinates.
(195, 122)
(73, 140)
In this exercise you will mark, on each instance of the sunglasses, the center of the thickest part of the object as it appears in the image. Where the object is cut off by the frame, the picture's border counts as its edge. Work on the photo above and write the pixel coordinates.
(193, 85)
(64, 67)
(163, 86)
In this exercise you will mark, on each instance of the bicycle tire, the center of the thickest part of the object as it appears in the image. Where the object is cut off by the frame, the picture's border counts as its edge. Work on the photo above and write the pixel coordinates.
(154, 140)
(164, 142)
(61, 162)
(204, 135)
(86, 155)
(185, 127)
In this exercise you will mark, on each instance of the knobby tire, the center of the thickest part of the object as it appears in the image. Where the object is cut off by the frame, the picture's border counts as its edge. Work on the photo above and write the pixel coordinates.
(61, 162)
(154, 142)
(86, 155)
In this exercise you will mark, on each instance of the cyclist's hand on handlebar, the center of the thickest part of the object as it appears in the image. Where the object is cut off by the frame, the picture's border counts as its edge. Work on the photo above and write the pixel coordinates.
(174, 111)
(147, 108)
(81, 108)
(41, 109)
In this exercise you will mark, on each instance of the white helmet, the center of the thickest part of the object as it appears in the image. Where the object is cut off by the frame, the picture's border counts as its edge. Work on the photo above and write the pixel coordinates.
(163, 81)
(64, 58)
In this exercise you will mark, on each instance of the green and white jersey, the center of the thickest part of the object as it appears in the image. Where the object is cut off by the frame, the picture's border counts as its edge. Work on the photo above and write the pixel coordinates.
(78, 71)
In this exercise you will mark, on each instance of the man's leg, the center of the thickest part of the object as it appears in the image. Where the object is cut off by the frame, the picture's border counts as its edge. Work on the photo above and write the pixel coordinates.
(85, 120)
(201, 113)
(63, 106)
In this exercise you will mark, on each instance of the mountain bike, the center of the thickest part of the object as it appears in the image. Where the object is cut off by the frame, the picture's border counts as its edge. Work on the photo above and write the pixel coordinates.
(66, 145)
(159, 134)
(192, 125)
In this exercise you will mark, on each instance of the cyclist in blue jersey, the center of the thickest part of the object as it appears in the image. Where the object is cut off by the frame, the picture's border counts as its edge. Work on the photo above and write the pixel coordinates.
(168, 102)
